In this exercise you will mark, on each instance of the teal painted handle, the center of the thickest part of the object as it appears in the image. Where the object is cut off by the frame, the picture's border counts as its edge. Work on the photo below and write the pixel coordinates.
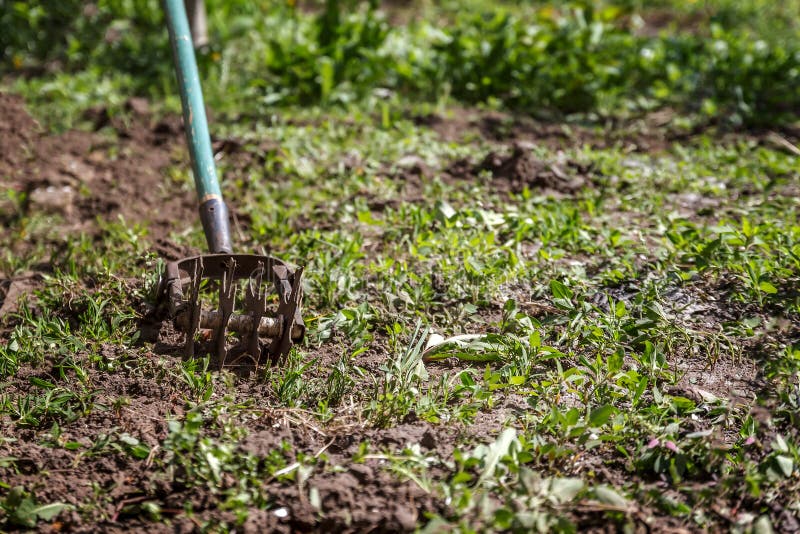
(213, 212)
(194, 112)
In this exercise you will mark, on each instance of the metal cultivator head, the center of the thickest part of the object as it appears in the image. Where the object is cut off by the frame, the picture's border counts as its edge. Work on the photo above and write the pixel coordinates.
(269, 291)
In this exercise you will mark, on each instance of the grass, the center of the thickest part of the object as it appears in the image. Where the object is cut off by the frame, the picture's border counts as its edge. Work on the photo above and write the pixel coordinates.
(637, 362)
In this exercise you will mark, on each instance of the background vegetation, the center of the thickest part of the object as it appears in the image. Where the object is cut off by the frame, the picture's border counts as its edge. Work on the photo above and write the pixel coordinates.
(735, 62)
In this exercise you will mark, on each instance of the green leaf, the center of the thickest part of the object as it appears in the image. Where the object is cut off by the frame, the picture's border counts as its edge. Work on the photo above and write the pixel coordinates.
(44, 384)
(779, 444)
(326, 76)
(683, 403)
(496, 451)
(445, 210)
(140, 452)
(47, 512)
(785, 464)
(22, 510)
(128, 439)
(560, 291)
(24, 514)
(763, 525)
(565, 489)
(615, 361)
(601, 415)
(607, 495)
(468, 347)
(572, 416)
(461, 478)
(14, 498)
(535, 339)
(768, 288)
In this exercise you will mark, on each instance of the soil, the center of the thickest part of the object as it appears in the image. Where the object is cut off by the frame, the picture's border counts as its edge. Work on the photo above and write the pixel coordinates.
(13, 289)
(647, 134)
(354, 499)
(510, 170)
(84, 178)
(79, 179)
(520, 170)
(118, 170)
(651, 133)
(115, 171)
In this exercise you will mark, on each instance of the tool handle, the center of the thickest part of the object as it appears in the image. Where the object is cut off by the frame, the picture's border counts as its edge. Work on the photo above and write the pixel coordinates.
(213, 212)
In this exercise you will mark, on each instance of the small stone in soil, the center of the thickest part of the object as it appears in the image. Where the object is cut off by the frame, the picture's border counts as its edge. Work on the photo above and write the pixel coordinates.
(406, 518)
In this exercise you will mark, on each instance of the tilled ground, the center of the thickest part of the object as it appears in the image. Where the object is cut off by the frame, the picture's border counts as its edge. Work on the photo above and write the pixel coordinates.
(111, 462)
(74, 176)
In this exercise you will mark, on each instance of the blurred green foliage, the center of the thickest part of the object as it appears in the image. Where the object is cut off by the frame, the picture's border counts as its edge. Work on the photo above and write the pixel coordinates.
(118, 35)
(543, 60)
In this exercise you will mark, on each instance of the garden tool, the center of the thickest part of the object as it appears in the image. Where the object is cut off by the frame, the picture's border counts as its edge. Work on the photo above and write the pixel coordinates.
(268, 289)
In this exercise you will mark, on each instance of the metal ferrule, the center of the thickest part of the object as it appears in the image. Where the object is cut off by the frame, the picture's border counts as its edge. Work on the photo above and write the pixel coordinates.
(214, 216)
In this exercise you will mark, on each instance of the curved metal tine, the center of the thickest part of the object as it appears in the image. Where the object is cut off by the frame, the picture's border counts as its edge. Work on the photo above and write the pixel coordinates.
(292, 294)
(227, 297)
(282, 284)
(256, 303)
(194, 306)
